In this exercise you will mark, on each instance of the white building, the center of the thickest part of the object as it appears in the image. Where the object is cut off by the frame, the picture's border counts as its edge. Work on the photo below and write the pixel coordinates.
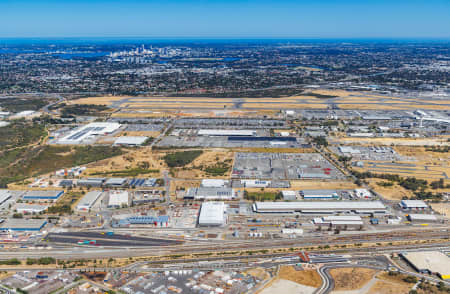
(321, 207)
(89, 132)
(419, 217)
(214, 183)
(203, 193)
(118, 199)
(130, 140)
(255, 183)
(30, 208)
(212, 214)
(88, 200)
(289, 195)
(413, 205)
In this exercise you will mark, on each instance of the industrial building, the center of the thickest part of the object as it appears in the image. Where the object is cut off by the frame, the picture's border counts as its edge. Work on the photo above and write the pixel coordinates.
(413, 205)
(212, 214)
(160, 221)
(217, 132)
(204, 193)
(88, 133)
(91, 182)
(118, 199)
(319, 194)
(130, 141)
(255, 183)
(214, 183)
(340, 222)
(116, 182)
(88, 200)
(418, 217)
(321, 207)
(4, 196)
(429, 262)
(23, 224)
(30, 208)
(43, 195)
(289, 195)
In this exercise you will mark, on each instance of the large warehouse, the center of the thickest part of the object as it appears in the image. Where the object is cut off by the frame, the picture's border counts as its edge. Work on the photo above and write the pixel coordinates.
(321, 207)
(88, 200)
(413, 205)
(204, 193)
(429, 262)
(212, 214)
(215, 132)
(4, 196)
(130, 140)
(23, 224)
(88, 133)
(43, 195)
(118, 199)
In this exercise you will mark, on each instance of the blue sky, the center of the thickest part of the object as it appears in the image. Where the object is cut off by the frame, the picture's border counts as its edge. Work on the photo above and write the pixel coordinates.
(226, 18)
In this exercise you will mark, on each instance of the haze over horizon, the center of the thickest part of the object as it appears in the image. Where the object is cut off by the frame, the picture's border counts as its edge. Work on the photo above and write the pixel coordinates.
(225, 19)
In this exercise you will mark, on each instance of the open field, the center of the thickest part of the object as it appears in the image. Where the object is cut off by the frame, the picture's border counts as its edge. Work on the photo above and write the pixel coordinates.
(284, 105)
(286, 286)
(442, 208)
(304, 277)
(130, 159)
(351, 278)
(387, 284)
(394, 192)
(307, 184)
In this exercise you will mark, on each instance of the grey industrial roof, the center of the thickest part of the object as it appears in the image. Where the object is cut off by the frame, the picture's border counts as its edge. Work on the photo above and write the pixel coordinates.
(89, 199)
(413, 204)
(23, 223)
(321, 205)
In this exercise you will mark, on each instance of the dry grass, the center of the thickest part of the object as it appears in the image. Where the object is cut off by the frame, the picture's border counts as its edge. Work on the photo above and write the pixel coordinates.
(305, 184)
(394, 192)
(284, 105)
(305, 277)
(131, 159)
(258, 273)
(381, 287)
(351, 278)
(442, 208)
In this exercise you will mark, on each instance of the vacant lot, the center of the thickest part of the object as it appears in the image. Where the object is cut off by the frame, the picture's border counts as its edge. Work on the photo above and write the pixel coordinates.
(304, 277)
(351, 278)
(39, 160)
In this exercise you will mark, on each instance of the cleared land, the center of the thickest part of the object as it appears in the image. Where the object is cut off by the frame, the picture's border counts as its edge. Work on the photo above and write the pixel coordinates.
(304, 277)
(351, 278)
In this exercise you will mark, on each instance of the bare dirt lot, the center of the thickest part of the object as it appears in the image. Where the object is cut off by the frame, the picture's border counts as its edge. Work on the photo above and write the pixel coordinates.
(305, 277)
(351, 278)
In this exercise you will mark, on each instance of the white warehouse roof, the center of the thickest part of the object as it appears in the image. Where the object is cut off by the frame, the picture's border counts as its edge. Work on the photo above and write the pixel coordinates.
(213, 183)
(212, 214)
(216, 132)
(413, 204)
(88, 200)
(118, 198)
(318, 206)
(78, 135)
(131, 140)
